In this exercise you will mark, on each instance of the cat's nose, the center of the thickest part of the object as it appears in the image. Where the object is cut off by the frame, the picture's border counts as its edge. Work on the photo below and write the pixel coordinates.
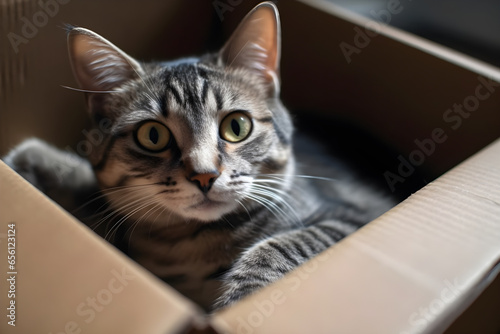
(204, 181)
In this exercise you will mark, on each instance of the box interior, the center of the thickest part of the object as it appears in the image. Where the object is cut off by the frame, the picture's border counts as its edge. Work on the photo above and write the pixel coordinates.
(394, 92)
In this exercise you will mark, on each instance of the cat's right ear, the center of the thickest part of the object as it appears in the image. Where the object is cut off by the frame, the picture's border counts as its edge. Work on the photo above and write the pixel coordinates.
(97, 64)
(256, 45)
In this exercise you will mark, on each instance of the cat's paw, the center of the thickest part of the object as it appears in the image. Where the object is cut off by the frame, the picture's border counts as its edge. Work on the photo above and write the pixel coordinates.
(272, 258)
(63, 176)
(261, 265)
(40, 164)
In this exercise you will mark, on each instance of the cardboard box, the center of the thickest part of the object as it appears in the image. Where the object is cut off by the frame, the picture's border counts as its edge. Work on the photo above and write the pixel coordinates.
(414, 270)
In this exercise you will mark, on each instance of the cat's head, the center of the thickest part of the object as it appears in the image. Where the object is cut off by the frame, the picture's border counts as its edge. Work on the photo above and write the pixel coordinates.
(196, 138)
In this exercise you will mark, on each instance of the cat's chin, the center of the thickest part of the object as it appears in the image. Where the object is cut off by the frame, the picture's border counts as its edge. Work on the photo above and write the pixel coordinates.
(208, 210)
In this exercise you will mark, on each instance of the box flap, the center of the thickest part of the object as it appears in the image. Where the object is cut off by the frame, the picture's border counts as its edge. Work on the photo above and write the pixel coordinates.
(64, 279)
(414, 270)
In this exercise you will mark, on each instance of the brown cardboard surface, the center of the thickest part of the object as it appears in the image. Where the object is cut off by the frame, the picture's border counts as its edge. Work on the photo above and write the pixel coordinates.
(66, 280)
(433, 252)
(413, 270)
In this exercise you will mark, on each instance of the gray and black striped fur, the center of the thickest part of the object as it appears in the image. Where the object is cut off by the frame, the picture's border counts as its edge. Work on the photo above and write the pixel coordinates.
(215, 219)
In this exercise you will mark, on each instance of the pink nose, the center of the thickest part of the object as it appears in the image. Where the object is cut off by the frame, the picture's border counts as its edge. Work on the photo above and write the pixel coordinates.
(204, 181)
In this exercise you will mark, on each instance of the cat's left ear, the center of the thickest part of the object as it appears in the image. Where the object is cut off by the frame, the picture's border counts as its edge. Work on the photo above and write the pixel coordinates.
(256, 45)
(98, 65)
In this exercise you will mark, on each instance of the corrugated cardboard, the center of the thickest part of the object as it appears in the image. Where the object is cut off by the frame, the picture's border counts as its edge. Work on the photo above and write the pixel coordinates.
(414, 270)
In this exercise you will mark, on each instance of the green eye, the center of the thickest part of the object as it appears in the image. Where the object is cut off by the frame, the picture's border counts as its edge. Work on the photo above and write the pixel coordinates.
(235, 127)
(153, 136)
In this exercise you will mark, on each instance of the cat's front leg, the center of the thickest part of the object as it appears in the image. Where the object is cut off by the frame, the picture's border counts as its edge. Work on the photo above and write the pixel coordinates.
(270, 259)
(63, 176)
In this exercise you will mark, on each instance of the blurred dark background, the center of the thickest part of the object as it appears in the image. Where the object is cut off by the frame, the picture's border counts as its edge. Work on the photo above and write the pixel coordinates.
(471, 27)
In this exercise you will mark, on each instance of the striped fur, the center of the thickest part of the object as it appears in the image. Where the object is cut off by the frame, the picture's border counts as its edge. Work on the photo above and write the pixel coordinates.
(261, 216)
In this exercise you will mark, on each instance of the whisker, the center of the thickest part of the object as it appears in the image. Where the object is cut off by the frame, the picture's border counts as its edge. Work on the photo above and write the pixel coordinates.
(281, 200)
(157, 216)
(280, 177)
(138, 221)
(117, 212)
(270, 205)
(92, 91)
(273, 181)
(244, 197)
(282, 182)
(109, 191)
(151, 211)
(274, 190)
(260, 182)
(227, 221)
(123, 219)
(118, 202)
(244, 207)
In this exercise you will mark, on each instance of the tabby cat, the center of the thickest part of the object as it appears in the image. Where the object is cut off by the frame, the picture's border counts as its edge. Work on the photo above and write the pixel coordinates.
(200, 181)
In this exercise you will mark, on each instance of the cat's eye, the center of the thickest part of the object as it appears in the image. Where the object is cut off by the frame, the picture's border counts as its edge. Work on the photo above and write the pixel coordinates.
(235, 127)
(153, 136)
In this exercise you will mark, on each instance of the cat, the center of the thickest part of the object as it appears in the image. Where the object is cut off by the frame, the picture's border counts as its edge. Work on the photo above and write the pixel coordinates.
(201, 178)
